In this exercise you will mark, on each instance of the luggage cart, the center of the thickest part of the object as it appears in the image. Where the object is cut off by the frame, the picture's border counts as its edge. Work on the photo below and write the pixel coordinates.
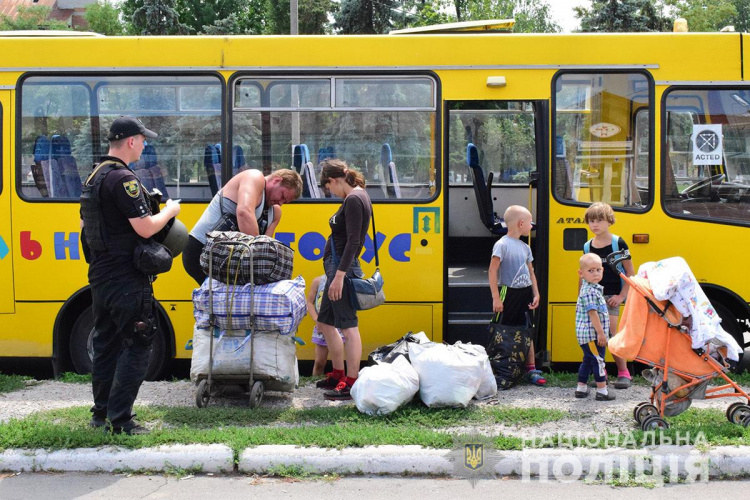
(205, 387)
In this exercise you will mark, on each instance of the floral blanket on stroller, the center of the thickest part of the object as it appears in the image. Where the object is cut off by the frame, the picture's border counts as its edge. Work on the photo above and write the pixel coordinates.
(671, 279)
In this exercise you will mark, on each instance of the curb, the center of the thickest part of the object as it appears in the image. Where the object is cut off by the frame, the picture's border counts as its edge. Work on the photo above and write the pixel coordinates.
(555, 463)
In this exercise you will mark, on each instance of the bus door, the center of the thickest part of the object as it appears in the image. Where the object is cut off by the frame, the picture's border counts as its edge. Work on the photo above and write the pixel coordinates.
(6, 188)
(502, 142)
(603, 152)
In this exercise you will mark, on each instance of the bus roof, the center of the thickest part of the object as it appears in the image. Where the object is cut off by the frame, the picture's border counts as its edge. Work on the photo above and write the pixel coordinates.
(46, 33)
(489, 25)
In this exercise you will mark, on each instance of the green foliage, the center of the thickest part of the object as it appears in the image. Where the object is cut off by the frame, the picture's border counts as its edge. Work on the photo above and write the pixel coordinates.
(75, 378)
(742, 21)
(104, 17)
(532, 16)
(33, 17)
(312, 16)
(10, 383)
(369, 17)
(158, 17)
(623, 16)
(706, 15)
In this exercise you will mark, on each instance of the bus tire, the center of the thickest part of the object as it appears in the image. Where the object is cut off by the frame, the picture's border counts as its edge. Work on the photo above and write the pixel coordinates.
(81, 349)
(732, 327)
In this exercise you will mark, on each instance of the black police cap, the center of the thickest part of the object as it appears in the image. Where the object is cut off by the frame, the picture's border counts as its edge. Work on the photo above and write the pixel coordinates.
(127, 126)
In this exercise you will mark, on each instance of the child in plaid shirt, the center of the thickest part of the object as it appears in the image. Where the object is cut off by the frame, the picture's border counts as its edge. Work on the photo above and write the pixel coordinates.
(592, 327)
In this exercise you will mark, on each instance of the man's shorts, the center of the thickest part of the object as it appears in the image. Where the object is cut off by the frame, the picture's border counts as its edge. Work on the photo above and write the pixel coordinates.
(319, 339)
(612, 311)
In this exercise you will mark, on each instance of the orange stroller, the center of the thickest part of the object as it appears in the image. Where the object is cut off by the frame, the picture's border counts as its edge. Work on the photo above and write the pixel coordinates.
(653, 332)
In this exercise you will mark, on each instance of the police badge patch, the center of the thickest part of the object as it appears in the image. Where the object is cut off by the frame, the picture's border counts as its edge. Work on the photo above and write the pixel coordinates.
(132, 188)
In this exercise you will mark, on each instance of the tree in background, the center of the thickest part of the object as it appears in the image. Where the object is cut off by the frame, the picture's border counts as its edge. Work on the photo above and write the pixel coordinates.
(742, 21)
(312, 16)
(532, 16)
(706, 15)
(623, 16)
(158, 17)
(34, 17)
(369, 17)
(103, 17)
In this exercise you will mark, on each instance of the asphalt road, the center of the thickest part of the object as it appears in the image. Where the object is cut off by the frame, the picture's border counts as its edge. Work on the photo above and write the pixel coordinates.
(112, 486)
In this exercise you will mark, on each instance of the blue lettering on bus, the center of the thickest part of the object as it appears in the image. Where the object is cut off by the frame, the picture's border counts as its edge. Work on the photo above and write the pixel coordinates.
(71, 244)
(312, 244)
(4, 250)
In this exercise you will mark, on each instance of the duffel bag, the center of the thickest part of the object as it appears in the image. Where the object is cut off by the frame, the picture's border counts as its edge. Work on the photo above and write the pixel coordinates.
(275, 306)
(230, 263)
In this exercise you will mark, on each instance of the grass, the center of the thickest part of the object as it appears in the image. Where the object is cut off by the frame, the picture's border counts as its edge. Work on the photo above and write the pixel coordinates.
(75, 378)
(10, 383)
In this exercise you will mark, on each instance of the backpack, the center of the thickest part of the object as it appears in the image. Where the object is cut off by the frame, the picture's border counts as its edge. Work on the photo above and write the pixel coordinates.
(615, 248)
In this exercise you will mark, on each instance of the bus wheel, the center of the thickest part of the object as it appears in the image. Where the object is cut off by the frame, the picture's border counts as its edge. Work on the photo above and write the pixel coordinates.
(732, 327)
(82, 351)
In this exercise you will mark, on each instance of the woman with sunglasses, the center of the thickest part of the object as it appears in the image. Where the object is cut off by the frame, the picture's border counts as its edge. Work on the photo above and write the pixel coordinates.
(349, 226)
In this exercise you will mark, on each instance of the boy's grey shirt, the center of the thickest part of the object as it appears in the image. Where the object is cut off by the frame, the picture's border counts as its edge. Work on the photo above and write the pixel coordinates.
(515, 256)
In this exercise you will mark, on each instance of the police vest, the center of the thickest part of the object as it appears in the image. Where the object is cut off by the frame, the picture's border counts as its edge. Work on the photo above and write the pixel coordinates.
(93, 218)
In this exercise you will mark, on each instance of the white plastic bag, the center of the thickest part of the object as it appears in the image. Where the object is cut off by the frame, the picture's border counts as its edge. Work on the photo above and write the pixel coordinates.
(275, 357)
(448, 375)
(488, 385)
(383, 388)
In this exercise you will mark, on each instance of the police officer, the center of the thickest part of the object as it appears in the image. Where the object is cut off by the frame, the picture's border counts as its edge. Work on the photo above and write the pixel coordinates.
(116, 218)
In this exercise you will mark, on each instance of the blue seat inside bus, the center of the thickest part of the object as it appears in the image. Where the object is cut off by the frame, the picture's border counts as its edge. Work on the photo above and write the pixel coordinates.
(303, 166)
(212, 164)
(386, 161)
(64, 180)
(483, 193)
(40, 168)
(149, 172)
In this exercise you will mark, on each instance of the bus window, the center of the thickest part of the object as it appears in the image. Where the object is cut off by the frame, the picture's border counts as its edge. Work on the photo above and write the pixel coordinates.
(504, 137)
(383, 126)
(601, 138)
(65, 121)
(707, 154)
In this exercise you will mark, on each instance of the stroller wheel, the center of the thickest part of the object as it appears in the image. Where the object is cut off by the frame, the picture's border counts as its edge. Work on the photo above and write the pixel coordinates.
(746, 421)
(737, 412)
(653, 423)
(644, 411)
(202, 395)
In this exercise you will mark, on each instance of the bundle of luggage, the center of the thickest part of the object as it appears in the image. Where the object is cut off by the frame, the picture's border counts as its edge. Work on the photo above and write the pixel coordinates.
(443, 375)
(250, 293)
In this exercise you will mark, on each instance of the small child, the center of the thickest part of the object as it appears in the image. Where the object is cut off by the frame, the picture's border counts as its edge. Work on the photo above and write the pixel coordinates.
(518, 293)
(600, 216)
(314, 297)
(592, 327)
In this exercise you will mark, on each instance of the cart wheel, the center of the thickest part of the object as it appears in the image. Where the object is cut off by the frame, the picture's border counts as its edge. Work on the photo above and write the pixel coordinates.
(737, 412)
(256, 394)
(644, 411)
(637, 409)
(653, 423)
(202, 395)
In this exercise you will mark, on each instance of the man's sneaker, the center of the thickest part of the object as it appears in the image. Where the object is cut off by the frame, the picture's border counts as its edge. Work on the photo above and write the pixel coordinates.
(327, 383)
(605, 397)
(536, 377)
(340, 393)
(131, 430)
(98, 422)
(622, 383)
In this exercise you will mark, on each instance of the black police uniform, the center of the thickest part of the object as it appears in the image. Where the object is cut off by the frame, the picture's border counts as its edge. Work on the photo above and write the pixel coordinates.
(122, 296)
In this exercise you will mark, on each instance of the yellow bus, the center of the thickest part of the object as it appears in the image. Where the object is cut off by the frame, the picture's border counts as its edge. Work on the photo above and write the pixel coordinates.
(559, 121)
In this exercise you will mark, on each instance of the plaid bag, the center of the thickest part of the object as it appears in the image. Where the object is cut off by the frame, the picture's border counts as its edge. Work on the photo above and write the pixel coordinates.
(272, 260)
(276, 306)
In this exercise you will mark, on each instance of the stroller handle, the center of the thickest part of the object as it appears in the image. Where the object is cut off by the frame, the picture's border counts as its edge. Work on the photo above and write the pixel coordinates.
(615, 258)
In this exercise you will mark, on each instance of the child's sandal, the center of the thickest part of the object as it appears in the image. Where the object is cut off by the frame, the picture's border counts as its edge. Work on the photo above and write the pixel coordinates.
(536, 377)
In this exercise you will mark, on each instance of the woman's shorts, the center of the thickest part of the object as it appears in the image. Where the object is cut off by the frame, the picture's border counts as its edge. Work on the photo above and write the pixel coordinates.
(319, 339)
(340, 313)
